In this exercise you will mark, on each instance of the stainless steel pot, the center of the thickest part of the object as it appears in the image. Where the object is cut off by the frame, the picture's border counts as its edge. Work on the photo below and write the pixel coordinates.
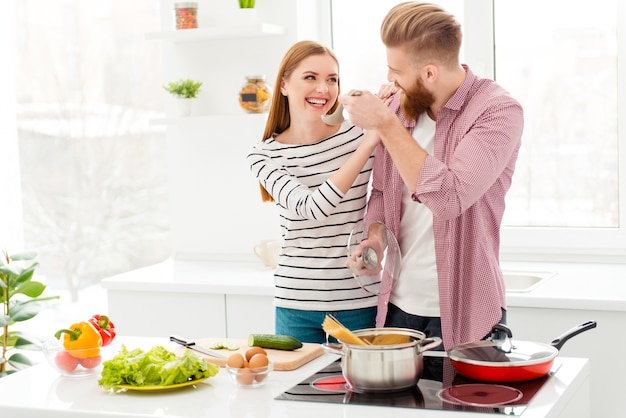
(383, 368)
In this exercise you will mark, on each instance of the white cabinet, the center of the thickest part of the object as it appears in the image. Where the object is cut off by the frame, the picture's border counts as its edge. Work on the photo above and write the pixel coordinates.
(194, 299)
(249, 314)
(146, 313)
(602, 345)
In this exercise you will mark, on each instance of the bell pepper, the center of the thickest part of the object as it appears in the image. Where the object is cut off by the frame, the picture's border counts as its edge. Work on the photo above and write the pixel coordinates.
(81, 340)
(105, 327)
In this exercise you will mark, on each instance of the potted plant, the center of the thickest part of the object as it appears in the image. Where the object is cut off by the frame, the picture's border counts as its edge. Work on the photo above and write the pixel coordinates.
(184, 90)
(21, 300)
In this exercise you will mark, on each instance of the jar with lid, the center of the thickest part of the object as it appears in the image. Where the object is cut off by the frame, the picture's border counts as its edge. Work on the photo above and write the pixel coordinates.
(186, 15)
(255, 95)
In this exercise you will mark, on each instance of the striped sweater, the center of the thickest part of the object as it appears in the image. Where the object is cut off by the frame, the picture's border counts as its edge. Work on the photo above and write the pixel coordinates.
(315, 219)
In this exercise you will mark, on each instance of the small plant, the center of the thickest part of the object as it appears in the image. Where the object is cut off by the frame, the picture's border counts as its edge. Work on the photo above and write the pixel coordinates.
(188, 89)
(246, 4)
(20, 297)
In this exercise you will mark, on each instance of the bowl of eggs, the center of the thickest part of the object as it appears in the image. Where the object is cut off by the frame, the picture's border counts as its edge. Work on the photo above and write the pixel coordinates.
(251, 369)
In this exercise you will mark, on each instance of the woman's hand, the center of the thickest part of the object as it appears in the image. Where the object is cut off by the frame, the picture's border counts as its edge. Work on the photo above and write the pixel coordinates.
(386, 92)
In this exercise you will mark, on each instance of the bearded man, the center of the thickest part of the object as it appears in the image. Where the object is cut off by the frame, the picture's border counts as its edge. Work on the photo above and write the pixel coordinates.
(449, 143)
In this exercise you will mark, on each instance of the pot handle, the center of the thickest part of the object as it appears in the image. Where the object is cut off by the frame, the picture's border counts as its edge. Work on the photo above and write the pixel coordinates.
(561, 339)
(428, 344)
(333, 348)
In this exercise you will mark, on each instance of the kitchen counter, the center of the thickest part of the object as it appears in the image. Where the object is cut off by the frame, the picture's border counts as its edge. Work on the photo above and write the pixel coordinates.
(224, 293)
(581, 286)
(571, 285)
(235, 298)
(40, 391)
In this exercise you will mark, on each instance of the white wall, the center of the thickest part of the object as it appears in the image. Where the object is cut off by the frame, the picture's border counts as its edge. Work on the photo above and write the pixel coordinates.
(216, 208)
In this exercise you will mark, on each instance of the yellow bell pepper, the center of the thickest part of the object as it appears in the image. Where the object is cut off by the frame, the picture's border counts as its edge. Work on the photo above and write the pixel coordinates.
(81, 340)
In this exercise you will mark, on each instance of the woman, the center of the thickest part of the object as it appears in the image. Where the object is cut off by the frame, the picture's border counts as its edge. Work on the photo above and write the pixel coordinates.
(318, 176)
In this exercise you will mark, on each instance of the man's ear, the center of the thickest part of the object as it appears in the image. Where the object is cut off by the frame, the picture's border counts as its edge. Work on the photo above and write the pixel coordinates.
(431, 72)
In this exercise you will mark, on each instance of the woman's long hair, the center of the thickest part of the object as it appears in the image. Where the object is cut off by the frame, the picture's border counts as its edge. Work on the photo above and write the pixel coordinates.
(279, 119)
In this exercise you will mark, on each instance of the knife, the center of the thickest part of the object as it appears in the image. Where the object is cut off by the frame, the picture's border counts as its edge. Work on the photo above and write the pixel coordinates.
(193, 346)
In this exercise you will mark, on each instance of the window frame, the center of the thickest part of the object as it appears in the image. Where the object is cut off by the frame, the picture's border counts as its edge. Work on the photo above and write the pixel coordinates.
(557, 244)
(552, 243)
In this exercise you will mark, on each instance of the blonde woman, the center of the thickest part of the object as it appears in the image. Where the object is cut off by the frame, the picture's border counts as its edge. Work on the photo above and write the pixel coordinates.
(317, 175)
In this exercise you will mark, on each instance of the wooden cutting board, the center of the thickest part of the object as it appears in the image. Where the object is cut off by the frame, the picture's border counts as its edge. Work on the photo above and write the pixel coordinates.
(282, 359)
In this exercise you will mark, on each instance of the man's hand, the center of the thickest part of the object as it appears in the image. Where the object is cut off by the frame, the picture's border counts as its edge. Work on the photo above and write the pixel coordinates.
(367, 110)
(367, 257)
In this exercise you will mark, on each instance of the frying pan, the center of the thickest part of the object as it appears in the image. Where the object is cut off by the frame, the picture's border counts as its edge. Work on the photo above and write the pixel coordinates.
(508, 360)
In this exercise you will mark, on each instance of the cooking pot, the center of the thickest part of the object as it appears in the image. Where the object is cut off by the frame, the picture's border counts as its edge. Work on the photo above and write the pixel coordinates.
(383, 368)
(508, 360)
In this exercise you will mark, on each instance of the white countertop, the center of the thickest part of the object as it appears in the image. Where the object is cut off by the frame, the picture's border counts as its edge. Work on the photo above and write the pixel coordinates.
(581, 286)
(226, 277)
(40, 391)
(576, 286)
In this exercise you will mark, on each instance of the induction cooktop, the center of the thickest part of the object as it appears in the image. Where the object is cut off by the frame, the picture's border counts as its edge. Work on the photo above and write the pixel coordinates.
(439, 388)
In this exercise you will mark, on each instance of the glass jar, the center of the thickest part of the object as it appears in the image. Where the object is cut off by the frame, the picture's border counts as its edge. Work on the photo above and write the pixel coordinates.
(186, 15)
(255, 95)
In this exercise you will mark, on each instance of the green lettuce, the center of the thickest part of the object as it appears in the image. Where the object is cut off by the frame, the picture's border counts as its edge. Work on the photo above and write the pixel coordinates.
(157, 367)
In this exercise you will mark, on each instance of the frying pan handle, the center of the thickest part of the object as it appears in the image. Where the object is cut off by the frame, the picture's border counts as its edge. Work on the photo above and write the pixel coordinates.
(500, 327)
(560, 340)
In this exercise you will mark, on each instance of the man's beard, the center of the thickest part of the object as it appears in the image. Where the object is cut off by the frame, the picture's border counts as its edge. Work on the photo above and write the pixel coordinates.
(416, 101)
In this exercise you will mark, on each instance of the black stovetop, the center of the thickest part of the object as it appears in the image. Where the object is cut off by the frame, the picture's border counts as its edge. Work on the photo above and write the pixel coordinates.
(439, 388)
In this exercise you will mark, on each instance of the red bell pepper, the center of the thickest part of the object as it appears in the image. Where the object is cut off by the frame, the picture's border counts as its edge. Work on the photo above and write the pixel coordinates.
(105, 327)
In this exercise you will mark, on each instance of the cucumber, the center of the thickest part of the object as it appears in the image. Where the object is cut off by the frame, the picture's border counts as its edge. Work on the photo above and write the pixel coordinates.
(278, 342)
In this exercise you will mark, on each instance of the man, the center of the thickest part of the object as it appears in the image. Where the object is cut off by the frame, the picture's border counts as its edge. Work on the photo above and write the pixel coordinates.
(449, 144)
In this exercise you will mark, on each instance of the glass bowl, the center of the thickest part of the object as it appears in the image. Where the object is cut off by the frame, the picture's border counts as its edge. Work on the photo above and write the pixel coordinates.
(249, 377)
(77, 363)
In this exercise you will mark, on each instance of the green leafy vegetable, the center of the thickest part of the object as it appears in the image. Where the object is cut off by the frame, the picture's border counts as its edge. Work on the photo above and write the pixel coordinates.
(157, 367)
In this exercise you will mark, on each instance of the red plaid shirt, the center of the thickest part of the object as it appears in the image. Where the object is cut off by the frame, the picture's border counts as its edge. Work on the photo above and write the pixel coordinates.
(464, 183)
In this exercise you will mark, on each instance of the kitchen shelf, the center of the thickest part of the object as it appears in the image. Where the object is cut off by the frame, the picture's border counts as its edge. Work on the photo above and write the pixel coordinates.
(207, 119)
(253, 30)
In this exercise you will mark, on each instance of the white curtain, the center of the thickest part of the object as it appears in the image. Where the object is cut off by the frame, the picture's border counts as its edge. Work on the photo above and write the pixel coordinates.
(11, 231)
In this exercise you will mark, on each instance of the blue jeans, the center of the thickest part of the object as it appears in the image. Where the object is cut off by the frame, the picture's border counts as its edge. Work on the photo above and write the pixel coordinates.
(431, 326)
(307, 325)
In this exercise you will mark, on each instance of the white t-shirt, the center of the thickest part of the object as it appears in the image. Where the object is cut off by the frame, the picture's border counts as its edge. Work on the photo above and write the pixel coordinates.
(417, 290)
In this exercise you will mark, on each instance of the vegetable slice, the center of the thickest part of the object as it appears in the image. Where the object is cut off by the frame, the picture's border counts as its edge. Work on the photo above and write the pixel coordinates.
(224, 346)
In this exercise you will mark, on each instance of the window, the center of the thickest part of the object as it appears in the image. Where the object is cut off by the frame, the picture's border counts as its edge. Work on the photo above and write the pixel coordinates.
(560, 60)
(93, 171)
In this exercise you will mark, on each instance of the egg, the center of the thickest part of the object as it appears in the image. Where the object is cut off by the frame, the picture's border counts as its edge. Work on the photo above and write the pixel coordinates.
(245, 377)
(236, 361)
(258, 360)
(255, 350)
